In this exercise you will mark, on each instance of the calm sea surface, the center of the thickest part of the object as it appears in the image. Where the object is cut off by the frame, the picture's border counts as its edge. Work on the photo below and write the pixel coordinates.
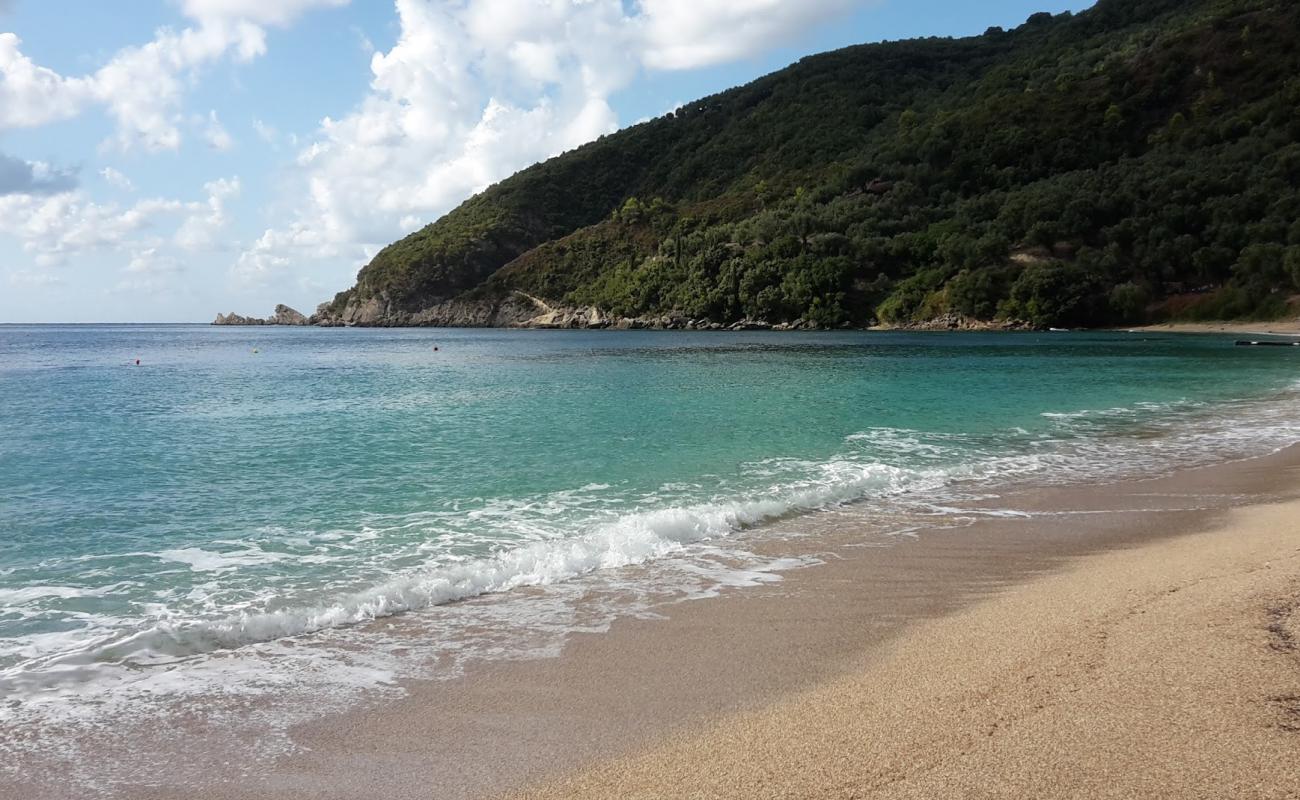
(242, 485)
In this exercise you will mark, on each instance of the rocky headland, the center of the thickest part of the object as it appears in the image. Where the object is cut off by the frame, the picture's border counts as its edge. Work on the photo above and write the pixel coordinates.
(283, 315)
(521, 310)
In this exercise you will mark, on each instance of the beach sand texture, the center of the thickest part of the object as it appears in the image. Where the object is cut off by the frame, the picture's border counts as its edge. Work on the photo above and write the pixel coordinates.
(1167, 671)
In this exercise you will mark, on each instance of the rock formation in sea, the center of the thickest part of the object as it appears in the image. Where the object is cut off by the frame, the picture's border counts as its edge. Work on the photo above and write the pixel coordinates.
(284, 315)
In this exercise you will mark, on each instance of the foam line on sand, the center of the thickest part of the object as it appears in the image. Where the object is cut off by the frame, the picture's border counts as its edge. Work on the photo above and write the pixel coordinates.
(1169, 670)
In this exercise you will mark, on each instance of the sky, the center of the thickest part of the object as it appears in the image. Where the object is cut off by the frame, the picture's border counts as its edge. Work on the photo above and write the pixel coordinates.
(166, 160)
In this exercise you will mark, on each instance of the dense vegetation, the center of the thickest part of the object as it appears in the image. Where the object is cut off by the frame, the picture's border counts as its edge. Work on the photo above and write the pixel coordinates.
(1138, 159)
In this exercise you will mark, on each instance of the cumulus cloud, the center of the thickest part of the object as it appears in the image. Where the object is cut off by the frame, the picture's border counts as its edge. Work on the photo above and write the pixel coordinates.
(265, 132)
(116, 179)
(56, 228)
(206, 220)
(142, 87)
(32, 95)
(475, 90)
(215, 134)
(685, 34)
(469, 93)
(152, 261)
(279, 248)
(33, 177)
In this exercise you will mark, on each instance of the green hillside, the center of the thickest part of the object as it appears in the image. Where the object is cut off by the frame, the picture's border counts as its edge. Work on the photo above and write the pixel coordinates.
(1139, 159)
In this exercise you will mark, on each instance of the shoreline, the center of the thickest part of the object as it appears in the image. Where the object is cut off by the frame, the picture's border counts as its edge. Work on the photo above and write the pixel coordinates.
(1166, 670)
(555, 727)
(1284, 327)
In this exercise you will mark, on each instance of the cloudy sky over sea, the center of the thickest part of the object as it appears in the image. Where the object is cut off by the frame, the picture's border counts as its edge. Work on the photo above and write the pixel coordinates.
(162, 160)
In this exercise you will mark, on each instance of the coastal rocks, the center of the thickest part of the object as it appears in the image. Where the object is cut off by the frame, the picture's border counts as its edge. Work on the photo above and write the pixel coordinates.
(960, 322)
(522, 310)
(796, 325)
(283, 316)
(561, 317)
(286, 316)
(379, 312)
(235, 319)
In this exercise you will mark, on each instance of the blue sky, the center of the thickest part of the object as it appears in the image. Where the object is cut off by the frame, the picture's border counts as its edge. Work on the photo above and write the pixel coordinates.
(163, 160)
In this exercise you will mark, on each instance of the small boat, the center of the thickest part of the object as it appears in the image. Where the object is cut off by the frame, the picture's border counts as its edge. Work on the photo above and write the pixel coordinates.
(1250, 343)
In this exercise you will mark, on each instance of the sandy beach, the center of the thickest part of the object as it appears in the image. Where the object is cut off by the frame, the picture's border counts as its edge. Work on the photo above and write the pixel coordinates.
(1166, 670)
(1279, 327)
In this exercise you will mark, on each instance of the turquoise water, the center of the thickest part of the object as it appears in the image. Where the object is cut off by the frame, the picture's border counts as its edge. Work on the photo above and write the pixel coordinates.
(244, 484)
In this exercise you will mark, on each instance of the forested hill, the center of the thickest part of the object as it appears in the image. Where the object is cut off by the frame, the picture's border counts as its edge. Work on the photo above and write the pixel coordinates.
(1136, 160)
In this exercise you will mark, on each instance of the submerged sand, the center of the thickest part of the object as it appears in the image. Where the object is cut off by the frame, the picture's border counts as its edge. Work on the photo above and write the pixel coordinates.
(1170, 670)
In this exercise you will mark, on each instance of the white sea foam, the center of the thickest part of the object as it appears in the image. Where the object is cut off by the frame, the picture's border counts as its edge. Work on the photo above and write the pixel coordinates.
(26, 594)
(629, 539)
(201, 560)
(580, 534)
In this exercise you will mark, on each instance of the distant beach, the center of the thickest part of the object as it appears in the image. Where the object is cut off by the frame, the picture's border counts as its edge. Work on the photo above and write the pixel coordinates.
(1279, 327)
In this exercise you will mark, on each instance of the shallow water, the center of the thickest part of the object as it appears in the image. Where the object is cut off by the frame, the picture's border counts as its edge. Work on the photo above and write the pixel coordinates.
(241, 486)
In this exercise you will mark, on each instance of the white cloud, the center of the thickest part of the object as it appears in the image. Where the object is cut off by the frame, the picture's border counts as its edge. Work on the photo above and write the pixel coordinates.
(685, 34)
(265, 132)
(32, 95)
(216, 135)
(142, 87)
(116, 179)
(261, 12)
(151, 261)
(57, 228)
(475, 90)
(469, 93)
(207, 219)
(278, 248)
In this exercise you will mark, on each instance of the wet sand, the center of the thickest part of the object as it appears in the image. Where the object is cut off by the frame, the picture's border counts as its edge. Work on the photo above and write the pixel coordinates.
(1114, 642)
(1166, 671)
(1122, 640)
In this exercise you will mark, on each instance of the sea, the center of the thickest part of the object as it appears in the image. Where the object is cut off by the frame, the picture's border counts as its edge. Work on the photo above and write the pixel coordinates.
(188, 510)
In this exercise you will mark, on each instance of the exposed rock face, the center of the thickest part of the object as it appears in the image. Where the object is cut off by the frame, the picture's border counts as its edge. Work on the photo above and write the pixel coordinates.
(380, 312)
(521, 310)
(286, 316)
(235, 319)
(283, 316)
(959, 322)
